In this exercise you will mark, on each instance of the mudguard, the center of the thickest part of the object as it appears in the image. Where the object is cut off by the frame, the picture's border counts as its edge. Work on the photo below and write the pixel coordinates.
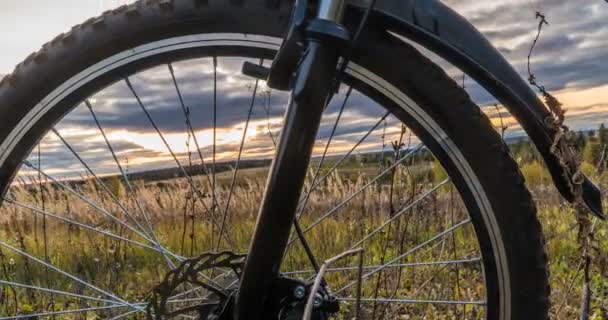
(435, 26)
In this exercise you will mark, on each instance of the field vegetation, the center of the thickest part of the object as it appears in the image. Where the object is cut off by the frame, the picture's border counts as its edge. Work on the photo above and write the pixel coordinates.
(187, 226)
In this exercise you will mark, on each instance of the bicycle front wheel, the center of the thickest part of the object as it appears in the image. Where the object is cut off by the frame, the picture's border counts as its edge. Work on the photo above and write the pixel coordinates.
(132, 144)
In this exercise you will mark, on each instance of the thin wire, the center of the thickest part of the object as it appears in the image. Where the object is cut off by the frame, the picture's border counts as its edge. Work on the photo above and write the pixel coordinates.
(164, 140)
(319, 279)
(213, 187)
(126, 314)
(103, 185)
(117, 162)
(329, 140)
(64, 293)
(87, 201)
(396, 265)
(347, 155)
(166, 144)
(80, 224)
(44, 226)
(68, 275)
(190, 128)
(401, 212)
(132, 193)
(341, 204)
(411, 301)
(57, 313)
(298, 227)
(180, 166)
(238, 162)
(267, 109)
(409, 252)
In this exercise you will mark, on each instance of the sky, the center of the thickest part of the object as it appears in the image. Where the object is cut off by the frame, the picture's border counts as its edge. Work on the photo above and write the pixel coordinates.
(570, 60)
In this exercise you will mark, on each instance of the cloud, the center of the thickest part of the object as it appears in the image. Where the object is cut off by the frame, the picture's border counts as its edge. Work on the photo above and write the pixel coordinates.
(570, 55)
(571, 48)
(117, 108)
(134, 140)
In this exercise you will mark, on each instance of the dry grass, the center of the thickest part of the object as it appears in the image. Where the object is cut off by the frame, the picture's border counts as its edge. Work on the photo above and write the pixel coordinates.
(131, 271)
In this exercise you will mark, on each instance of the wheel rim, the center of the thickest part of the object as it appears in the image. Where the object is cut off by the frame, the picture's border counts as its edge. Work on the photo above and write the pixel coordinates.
(318, 177)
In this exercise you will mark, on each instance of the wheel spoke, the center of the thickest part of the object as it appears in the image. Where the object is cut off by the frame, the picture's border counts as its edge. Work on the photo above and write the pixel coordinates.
(85, 226)
(164, 141)
(347, 154)
(181, 168)
(68, 275)
(409, 252)
(400, 213)
(131, 190)
(266, 105)
(350, 197)
(238, 162)
(192, 134)
(64, 293)
(87, 201)
(414, 301)
(98, 180)
(186, 112)
(304, 202)
(58, 313)
(395, 265)
(86, 310)
(214, 206)
(44, 219)
(124, 315)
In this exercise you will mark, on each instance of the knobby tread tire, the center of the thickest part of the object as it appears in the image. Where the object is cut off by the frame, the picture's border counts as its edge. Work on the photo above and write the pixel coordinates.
(426, 83)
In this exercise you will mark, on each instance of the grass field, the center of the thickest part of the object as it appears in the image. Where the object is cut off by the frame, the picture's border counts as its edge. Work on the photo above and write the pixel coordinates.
(187, 226)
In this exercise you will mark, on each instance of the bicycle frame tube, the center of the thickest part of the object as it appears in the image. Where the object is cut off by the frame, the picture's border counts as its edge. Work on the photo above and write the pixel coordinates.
(311, 89)
(433, 25)
(286, 179)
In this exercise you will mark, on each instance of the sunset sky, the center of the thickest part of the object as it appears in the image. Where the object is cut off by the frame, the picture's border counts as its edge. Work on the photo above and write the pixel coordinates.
(570, 60)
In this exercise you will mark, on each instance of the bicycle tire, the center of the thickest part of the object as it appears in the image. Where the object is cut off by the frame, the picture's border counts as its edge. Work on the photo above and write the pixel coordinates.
(515, 242)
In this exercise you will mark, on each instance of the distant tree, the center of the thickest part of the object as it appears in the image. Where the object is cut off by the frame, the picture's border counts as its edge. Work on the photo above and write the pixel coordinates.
(592, 152)
(602, 135)
(581, 141)
(523, 151)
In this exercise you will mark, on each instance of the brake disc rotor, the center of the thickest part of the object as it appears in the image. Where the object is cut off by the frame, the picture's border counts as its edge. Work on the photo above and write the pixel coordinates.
(190, 273)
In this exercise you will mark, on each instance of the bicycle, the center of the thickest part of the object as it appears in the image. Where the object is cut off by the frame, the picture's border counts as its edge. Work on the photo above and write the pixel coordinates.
(332, 49)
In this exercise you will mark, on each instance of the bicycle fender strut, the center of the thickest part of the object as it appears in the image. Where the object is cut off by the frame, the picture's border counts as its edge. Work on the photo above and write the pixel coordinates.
(449, 35)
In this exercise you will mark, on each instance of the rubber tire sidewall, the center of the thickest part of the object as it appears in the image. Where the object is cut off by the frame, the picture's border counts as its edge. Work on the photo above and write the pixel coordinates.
(447, 105)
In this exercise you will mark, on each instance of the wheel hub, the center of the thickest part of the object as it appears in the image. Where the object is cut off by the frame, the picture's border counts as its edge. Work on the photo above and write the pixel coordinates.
(287, 300)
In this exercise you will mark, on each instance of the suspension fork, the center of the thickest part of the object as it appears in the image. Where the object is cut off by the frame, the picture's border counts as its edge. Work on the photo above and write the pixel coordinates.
(312, 86)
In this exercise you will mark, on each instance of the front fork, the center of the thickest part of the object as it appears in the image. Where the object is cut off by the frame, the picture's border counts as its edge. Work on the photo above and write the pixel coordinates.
(312, 87)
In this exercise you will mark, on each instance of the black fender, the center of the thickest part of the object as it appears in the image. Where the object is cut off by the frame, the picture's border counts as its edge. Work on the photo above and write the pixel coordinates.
(440, 29)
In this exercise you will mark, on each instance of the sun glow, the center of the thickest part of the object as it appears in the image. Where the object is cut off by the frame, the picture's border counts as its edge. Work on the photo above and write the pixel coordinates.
(177, 141)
